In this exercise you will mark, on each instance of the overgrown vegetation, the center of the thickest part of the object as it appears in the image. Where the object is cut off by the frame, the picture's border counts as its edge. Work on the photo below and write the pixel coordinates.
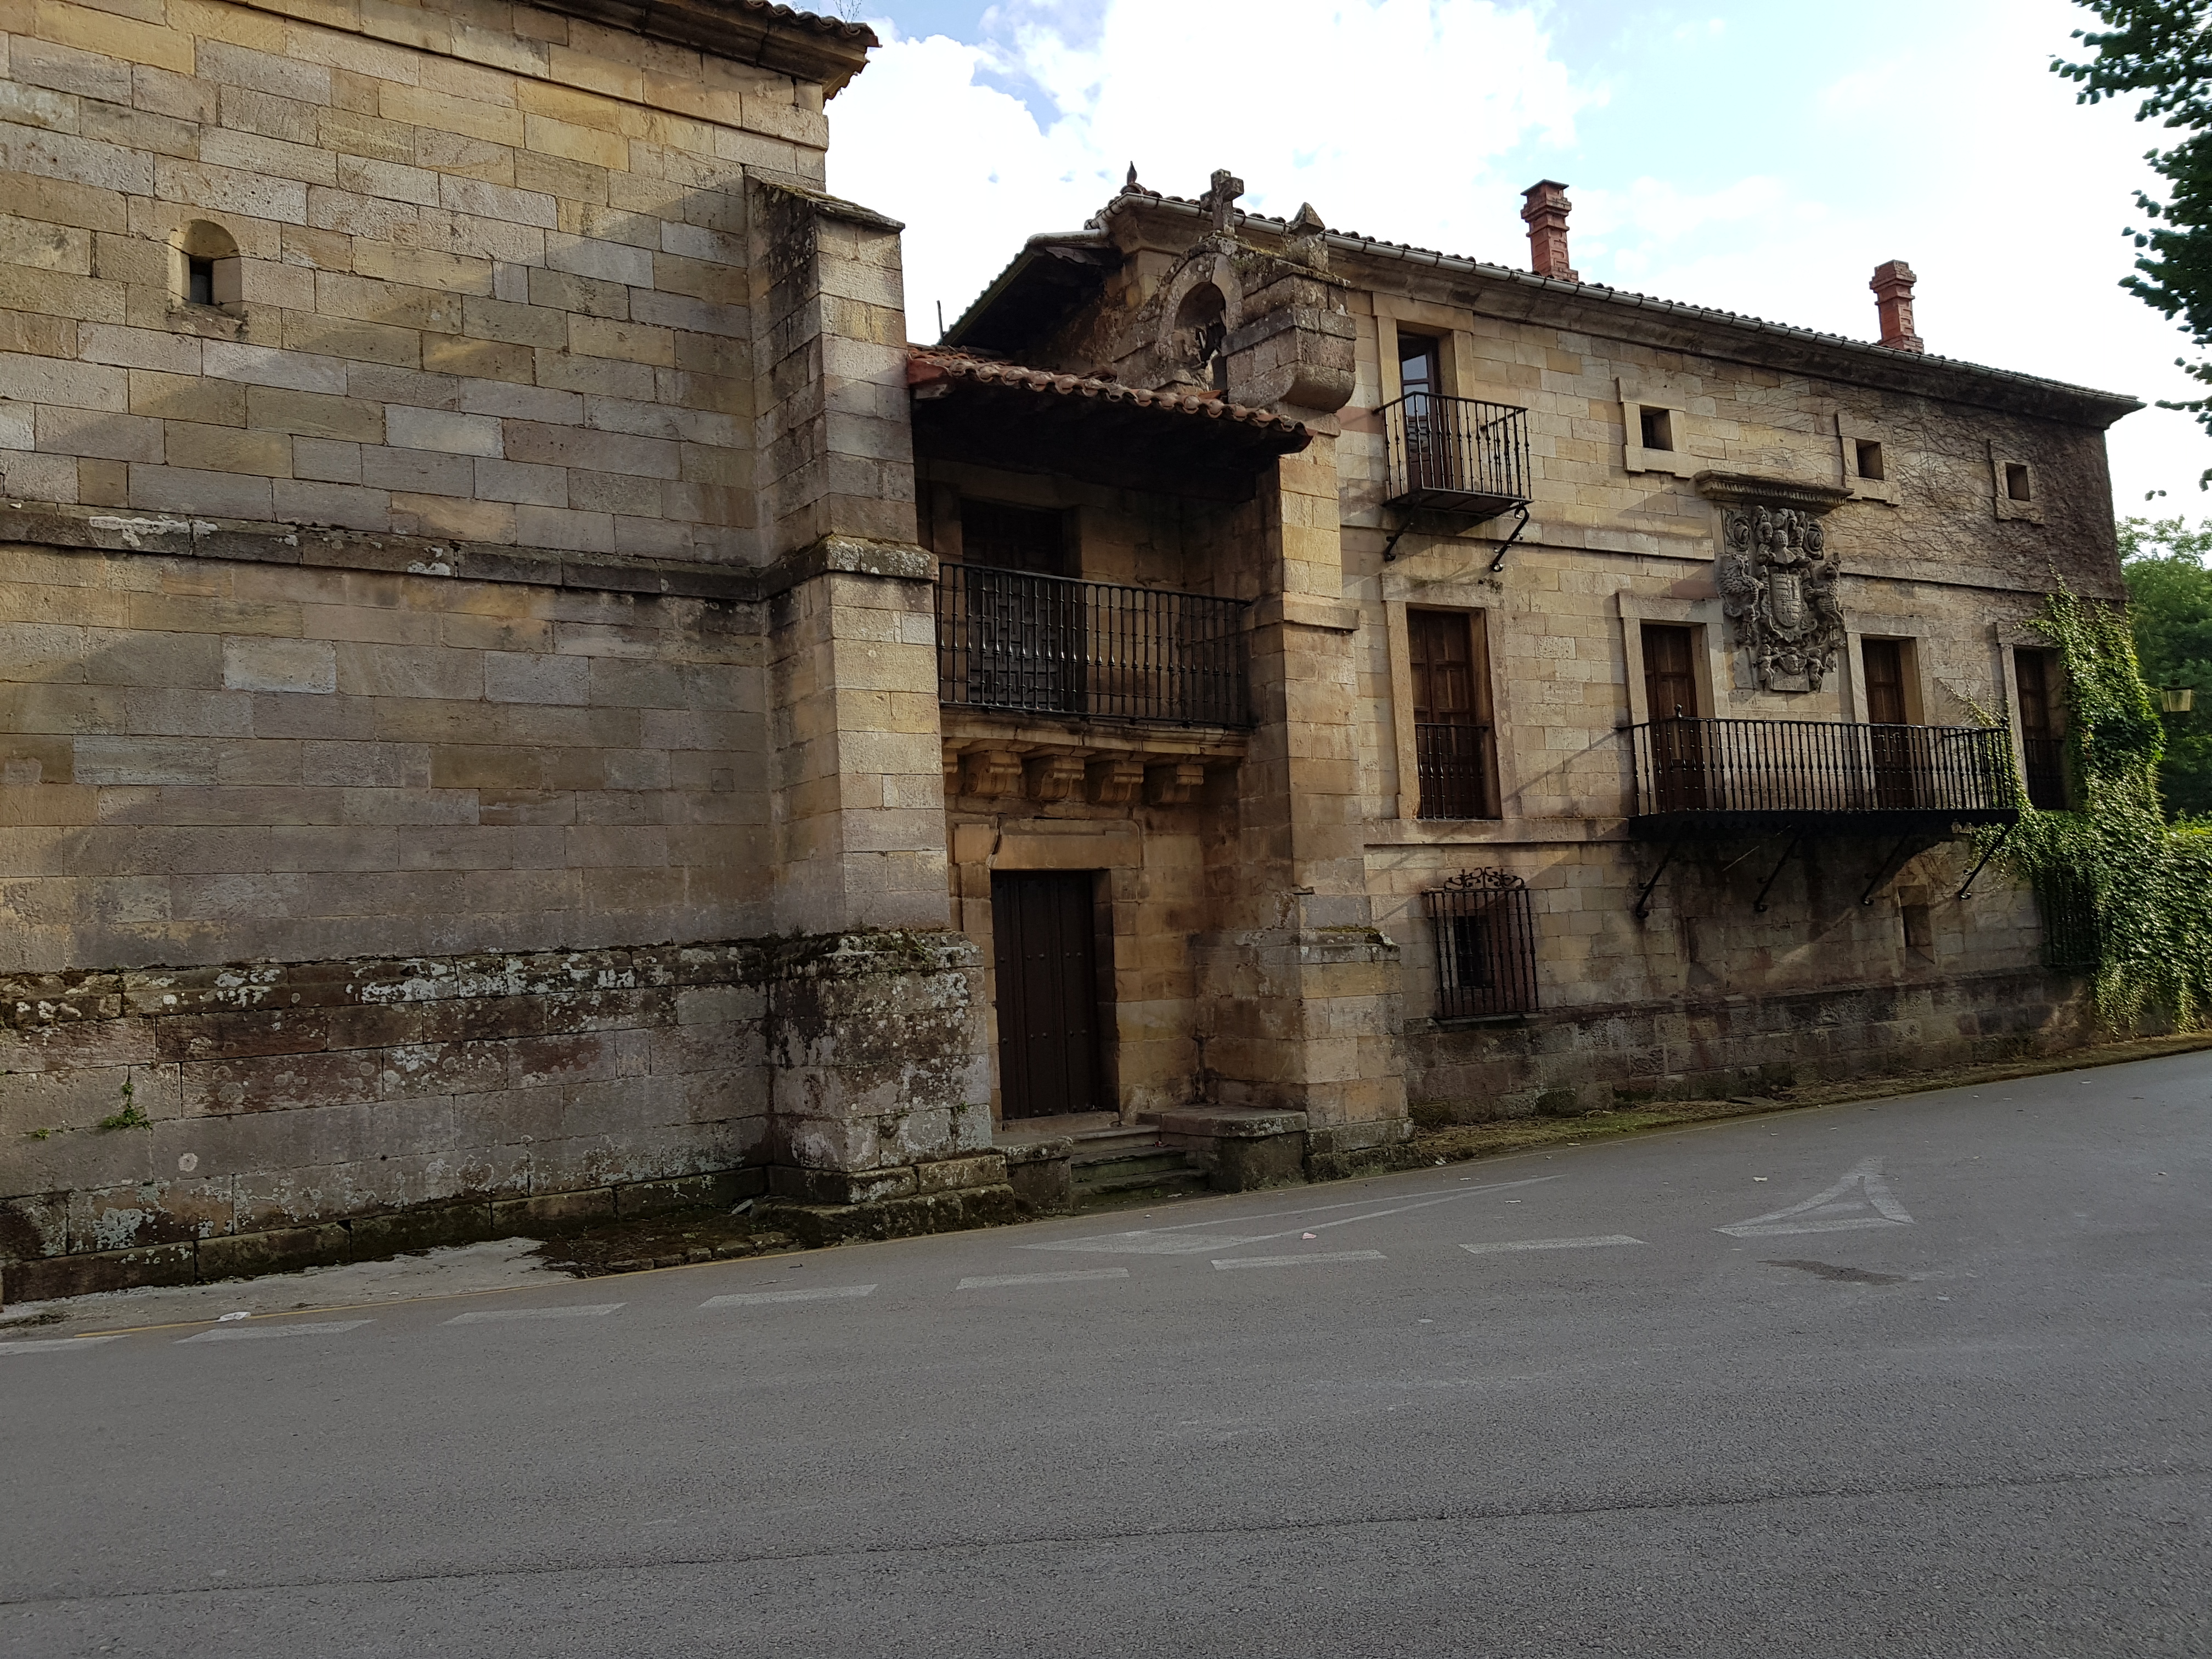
(130, 1117)
(2145, 884)
(2170, 605)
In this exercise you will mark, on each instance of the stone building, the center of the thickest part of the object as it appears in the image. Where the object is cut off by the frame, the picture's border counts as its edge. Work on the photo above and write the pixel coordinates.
(1625, 678)
(524, 699)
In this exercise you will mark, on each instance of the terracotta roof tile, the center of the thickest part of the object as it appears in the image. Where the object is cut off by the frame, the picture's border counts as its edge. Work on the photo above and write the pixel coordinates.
(806, 20)
(926, 364)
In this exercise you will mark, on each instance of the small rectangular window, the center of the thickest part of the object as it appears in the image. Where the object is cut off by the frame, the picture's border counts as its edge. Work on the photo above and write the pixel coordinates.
(199, 281)
(1486, 935)
(1919, 930)
(1658, 426)
(1870, 460)
(2018, 486)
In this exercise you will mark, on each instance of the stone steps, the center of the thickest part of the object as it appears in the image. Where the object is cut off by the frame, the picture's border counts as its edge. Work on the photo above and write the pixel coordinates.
(1125, 1163)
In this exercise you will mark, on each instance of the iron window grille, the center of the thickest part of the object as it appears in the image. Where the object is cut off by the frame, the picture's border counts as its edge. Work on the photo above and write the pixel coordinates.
(1457, 453)
(1486, 932)
(2071, 941)
(1015, 639)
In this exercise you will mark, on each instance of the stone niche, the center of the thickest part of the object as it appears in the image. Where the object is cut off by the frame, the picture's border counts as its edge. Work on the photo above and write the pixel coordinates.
(1265, 328)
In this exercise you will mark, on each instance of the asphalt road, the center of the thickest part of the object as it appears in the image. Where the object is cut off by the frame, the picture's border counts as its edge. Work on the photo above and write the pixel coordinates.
(1924, 1378)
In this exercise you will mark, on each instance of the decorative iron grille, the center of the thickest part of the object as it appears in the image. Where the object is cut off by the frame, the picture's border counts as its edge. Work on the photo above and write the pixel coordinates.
(2044, 761)
(1457, 453)
(1011, 639)
(1458, 771)
(1814, 767)
(1486, 935)
(2072, 942)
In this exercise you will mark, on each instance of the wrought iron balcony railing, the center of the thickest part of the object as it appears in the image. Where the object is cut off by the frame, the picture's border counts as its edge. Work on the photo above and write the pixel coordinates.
(1456, 454)
(1458, 770)
(1693, 771)
(1013, 639)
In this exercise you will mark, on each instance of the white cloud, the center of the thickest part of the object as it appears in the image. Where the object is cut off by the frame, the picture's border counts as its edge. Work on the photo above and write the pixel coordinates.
(1773, 193)
(1388, 115)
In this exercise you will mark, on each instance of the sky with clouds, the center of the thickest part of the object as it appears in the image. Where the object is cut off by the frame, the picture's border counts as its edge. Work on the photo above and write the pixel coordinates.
(1759, 156)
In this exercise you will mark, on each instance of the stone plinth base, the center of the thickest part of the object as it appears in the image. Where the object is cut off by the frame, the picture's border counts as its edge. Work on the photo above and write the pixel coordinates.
(164, 1125)
(1572, 1060)
(1241, 1152)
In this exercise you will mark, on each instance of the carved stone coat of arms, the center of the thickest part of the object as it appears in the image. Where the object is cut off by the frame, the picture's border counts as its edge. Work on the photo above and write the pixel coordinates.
(1779, 586)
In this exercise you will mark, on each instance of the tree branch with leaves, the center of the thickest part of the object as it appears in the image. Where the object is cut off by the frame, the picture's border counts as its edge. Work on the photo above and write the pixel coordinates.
(2162, 51)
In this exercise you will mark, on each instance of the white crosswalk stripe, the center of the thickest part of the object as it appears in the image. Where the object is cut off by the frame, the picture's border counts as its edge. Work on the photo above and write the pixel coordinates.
(757, 1298)
(56, 1344)
(256, 1332)
(1601, 1241)
(575, 1310)
(987, 1281)
(1302, 1260)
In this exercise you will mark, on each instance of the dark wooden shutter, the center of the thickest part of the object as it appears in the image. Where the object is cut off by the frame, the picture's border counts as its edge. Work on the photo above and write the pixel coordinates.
(1678, 743)
(1885, 681)
(1013, 538)
(1670, 682)
(1453, 734)
(2041, 735)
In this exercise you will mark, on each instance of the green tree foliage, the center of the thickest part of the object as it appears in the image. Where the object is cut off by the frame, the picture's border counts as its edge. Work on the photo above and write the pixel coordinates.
(2145, 883)
(2162, 51)
(2169, 606)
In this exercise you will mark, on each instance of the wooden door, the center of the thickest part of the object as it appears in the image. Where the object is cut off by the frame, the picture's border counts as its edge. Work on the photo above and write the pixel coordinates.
(1678, 742)
(1891, 742)
(1452, 728)
(1045, 950)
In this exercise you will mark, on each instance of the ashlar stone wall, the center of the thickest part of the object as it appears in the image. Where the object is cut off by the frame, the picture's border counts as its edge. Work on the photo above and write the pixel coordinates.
(490, 277)
(1934, 553)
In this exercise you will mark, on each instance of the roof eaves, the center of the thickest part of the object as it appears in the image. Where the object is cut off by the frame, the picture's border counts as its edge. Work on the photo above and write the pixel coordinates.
(1009, 276)
(1894, 362)
(928, 364)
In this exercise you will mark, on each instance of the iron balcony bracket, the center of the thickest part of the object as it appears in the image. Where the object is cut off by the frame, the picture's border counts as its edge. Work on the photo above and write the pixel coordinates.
(1390, 547)
(1644, 898)
(1886, 869)
(1996, 847)
(1759, 903)
(1506, 546)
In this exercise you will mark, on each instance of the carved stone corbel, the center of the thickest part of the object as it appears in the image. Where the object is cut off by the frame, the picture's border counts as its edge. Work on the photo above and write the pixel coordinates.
(1176, 784)
(990, 772)
(1054, 777)
(1114, 781)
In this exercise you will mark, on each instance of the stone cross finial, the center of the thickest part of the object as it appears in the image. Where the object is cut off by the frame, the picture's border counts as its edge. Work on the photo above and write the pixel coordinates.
(1221, 200)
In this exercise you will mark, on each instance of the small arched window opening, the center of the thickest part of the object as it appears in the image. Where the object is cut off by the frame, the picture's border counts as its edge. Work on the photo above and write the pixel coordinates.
(205, 265)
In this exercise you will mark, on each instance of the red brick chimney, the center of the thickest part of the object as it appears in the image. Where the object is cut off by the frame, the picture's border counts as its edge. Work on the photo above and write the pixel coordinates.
(1893, 292)
(1546, 214)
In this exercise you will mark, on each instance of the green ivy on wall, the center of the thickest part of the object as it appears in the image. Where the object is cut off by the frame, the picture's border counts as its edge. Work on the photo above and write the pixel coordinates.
(2140, 888)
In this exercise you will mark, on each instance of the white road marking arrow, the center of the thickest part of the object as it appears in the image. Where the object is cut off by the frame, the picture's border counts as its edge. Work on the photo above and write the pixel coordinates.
(1830, 1212)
